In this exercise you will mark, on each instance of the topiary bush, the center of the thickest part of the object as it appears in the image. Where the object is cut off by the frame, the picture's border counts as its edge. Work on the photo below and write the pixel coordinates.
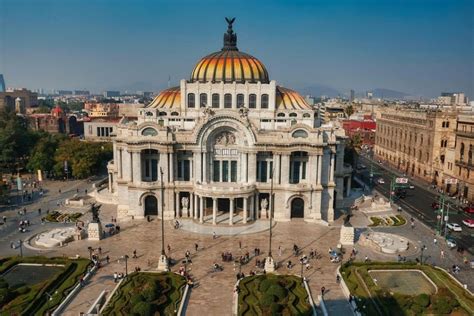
(135, 299)
(278, 291)
(149, 292)
(423, 300)
(275, 309)
(143, 309)
(265, 284)
(267, 299)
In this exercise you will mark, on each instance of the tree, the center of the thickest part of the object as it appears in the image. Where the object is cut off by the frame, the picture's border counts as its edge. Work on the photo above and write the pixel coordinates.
(42, 155)
(349, 110)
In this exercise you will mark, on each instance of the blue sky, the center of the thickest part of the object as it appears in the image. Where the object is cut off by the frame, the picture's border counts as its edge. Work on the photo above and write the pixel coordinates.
(421, 47)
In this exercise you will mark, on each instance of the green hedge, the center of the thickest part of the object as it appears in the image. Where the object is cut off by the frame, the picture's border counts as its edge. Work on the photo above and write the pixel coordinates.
(449, 298)
(33, 300)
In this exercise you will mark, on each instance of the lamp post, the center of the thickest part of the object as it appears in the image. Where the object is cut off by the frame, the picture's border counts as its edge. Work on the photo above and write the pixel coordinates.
(20, 242)
(269, 263)
(163, 262)
(423, 248)
(302, 263)
(126, 264)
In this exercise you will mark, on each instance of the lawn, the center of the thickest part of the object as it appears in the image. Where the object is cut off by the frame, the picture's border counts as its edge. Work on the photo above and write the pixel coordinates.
(272, 294)
(147, 294)
(451, 299)
(31, 298)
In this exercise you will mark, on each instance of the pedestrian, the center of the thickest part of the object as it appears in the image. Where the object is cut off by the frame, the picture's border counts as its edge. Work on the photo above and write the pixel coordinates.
(100, 250)
(214, 236)
(169, 249)
(435, 241)
(77, 190)
(107, 259)
(39, 211)
(338, 279)
(323, 289)
(115, 277)
(279, 250)
(366, 259)
(240, 244)
(135, 253)
(196, 246)
(4, 219)
(442, 254)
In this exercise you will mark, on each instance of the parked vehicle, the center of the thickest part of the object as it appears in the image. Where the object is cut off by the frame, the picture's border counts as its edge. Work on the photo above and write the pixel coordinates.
(411, 186)
(451, 243)
(381, 181)
(454, 227)
(469, 222)
(469, 209)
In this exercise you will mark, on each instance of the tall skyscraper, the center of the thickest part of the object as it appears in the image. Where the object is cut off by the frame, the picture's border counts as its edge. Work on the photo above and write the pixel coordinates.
(2, 84)
(352, 96)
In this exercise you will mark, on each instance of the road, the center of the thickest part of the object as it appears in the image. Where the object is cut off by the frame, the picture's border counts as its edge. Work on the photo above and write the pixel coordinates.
(418, 203)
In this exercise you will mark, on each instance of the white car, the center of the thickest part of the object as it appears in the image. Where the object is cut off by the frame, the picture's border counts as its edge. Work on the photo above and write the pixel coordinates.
(411, 186)
(451, 243)
(454, 227)
(381, 181)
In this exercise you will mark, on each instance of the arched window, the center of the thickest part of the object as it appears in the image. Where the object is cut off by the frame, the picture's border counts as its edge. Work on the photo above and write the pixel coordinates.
(469, 155)
(203, 100)
(306, 115)
(174, 113)
(215, 100)
(228, 101)
(292, 115)
(149, 132)
(240, 100)
(264, 101)
(252, 101)
(461, 152)
(300, 134)
(191, 100)
(162, 114)
(281, 115)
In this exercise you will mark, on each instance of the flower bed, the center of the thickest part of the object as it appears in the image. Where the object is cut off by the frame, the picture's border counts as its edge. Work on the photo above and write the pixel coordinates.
(33, 299)
(392, 220)
(272, 294)
(146, 294)
(450, 299)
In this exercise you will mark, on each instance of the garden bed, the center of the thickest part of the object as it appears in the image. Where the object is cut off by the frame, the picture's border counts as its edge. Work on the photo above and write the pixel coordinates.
(146, 294)
(272, 294)
(392, 220)
(32, 299)
(56, 217)
(372, 299)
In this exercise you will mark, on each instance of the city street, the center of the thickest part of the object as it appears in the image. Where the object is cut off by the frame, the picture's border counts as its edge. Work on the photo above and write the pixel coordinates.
(418, 202)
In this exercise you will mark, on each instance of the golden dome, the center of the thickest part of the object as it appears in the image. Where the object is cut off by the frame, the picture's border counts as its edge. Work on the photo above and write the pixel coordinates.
(287, 99)
(167, 99)
(229, 65)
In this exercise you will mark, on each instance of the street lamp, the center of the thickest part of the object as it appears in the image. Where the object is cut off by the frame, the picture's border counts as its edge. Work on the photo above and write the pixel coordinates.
(269, 263)
(423, 248)
(20, 242)
(302, 263)
(163, 262)
(126, 264)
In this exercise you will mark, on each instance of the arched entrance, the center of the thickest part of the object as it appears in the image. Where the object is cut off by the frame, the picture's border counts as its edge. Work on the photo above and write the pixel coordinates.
(151, 205)
(297, 208)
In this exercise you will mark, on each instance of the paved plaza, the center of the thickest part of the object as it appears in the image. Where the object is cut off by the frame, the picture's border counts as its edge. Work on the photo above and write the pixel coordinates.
(214, 290)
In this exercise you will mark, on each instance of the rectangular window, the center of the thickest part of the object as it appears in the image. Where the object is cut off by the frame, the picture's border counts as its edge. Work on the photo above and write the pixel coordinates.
(191, 100)
(295, 172)
(147, 168)
(98, 131)
(186, 170)
(215, 100)
(203, 100)
(264, 101)
(303, 172)
(240, 100)
(233, 171)
(216, 170)
(180, 169)
(252, 101)
(154, 170)
(262, 171)
(270, 170)
(228, 101)
(225, 171)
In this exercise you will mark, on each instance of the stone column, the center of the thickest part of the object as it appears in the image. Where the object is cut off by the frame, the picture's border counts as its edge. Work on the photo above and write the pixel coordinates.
(243, 165)
(285, 168)
(196, 206)
(331, 170)
(231, 212)
(214, 211)
(119, 163)
(197, 167)
(204, 167)
(245, 211)
(110, 182)
(171, 164)
(320, 169)
(177, 202)
(191, 205)
(252, 168)
(252, 208)
(276, 166)
(136, 167)
(201, 209)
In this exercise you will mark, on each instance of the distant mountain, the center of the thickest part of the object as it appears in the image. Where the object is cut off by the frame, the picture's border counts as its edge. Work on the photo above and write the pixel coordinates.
(388, 93)
(318, 90)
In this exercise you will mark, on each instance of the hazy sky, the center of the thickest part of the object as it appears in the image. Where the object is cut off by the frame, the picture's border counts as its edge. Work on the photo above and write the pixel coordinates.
(420, 47)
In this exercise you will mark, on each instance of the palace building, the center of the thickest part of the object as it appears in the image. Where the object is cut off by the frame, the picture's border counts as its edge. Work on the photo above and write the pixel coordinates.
(216, 146)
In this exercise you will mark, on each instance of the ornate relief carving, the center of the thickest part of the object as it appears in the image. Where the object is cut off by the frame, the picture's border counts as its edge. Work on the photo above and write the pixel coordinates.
(225, 138)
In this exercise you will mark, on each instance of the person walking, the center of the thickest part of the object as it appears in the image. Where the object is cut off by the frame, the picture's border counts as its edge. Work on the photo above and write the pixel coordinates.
(115, 277)
(323, 289)
(279, 250)
(196, 246)
(240, 244)
(107, 259)
(442, 254)
(169, 249)
(135, 254)
(435, 241)
(214, 236)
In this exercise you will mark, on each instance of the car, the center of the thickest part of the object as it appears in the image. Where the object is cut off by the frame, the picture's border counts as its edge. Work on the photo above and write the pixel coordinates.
(469, 209)
(454, 227)
(468, 222)
(435, 205)
(411, 186)
(381, 181)
(451, 243)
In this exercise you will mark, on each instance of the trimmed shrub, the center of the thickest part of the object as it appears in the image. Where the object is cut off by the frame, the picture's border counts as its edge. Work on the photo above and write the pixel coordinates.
(143, 309)
(423, 300)
(265, 284)
(149, 292)
(276, 309)
(137, 298)
(278, 291)
(442, 305)
(267, 299)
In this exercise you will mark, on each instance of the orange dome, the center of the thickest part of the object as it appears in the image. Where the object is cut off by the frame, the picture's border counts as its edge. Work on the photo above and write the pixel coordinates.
(229, 65)
(169, 99)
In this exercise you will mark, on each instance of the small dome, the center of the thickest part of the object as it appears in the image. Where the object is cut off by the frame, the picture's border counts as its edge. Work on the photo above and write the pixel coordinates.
(169, 98)
(229, 64)
(287, 99)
